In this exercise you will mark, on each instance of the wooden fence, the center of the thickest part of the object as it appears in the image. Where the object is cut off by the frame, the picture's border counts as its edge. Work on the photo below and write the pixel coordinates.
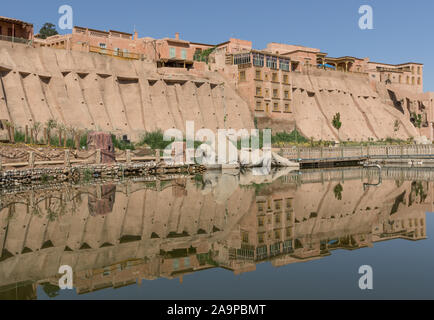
(69, 158)
(369, 152)
(362, 174)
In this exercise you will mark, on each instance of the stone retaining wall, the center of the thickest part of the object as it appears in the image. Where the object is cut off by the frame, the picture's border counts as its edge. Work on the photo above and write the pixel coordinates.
(12, 178)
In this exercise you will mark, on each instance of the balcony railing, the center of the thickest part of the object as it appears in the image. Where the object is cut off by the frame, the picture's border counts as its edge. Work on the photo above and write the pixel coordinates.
(115, 53)
(15, 39)
(200, 58)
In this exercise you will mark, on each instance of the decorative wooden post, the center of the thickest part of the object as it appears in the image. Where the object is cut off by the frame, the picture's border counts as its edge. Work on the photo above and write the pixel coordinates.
(98, 156)
(32, 159)
(45, 136)
(77, 141)
(128, 155)
(13, 134)
(67, 159)
(26, 137)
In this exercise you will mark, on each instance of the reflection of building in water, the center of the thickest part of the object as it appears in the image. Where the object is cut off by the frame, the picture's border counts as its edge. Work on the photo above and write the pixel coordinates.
(176, 228)
(102, 200)
(294, 226)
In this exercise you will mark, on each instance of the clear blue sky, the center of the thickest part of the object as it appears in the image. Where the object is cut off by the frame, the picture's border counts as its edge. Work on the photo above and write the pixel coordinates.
(402, 29)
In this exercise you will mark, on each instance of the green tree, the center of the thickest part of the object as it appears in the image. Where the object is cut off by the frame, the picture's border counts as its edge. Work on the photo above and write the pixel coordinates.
(47, 30)
(51, 290)
(337, 124)
(416, 119)
(338, 191)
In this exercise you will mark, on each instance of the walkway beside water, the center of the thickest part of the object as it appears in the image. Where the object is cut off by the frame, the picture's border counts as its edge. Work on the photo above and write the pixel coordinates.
(341, 156)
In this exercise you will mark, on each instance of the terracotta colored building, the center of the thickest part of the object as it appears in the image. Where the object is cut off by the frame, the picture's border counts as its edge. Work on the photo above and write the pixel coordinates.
(265, 78)
(407, 76)
(261, 77)
(114, 43)
(15, 30)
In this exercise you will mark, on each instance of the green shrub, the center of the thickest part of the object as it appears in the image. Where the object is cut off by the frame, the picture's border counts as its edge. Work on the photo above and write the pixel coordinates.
(19, 136)
(155, 140)
(121, 144)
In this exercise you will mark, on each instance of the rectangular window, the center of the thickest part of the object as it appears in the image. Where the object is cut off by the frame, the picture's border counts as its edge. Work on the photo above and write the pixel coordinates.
(245, 237)
(258, 74)
(258, 91)
(242, 76)
(258, 60)
(175, 264)
(277, 234)
(284, 64)
(287, 107)
(274, 77)
(286, 94)
(277, 218)
(184, 54)
(172, 52)
(271, 62)
(260, 221)
(276, 107)
(285, 78)
(277, 205)
(102, 45)
(275, 93)
(288, 232)
(187, 262)
(288, 216)
(259, 108)
(242, 58)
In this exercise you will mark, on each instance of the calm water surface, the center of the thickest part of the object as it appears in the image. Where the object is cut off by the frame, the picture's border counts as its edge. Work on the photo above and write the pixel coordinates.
(288, 235)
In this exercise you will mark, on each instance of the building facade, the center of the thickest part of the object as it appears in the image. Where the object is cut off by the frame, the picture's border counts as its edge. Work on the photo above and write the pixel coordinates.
(15, 30)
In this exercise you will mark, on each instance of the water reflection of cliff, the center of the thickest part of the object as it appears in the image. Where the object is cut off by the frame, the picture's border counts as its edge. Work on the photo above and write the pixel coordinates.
(115, 235)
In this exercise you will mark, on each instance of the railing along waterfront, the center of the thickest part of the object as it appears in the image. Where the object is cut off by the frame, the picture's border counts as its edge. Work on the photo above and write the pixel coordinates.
(359, 152)
(362, 174)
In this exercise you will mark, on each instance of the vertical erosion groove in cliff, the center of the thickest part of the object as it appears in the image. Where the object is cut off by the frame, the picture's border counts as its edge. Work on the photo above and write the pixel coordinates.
(90, 91)
(365, 114)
